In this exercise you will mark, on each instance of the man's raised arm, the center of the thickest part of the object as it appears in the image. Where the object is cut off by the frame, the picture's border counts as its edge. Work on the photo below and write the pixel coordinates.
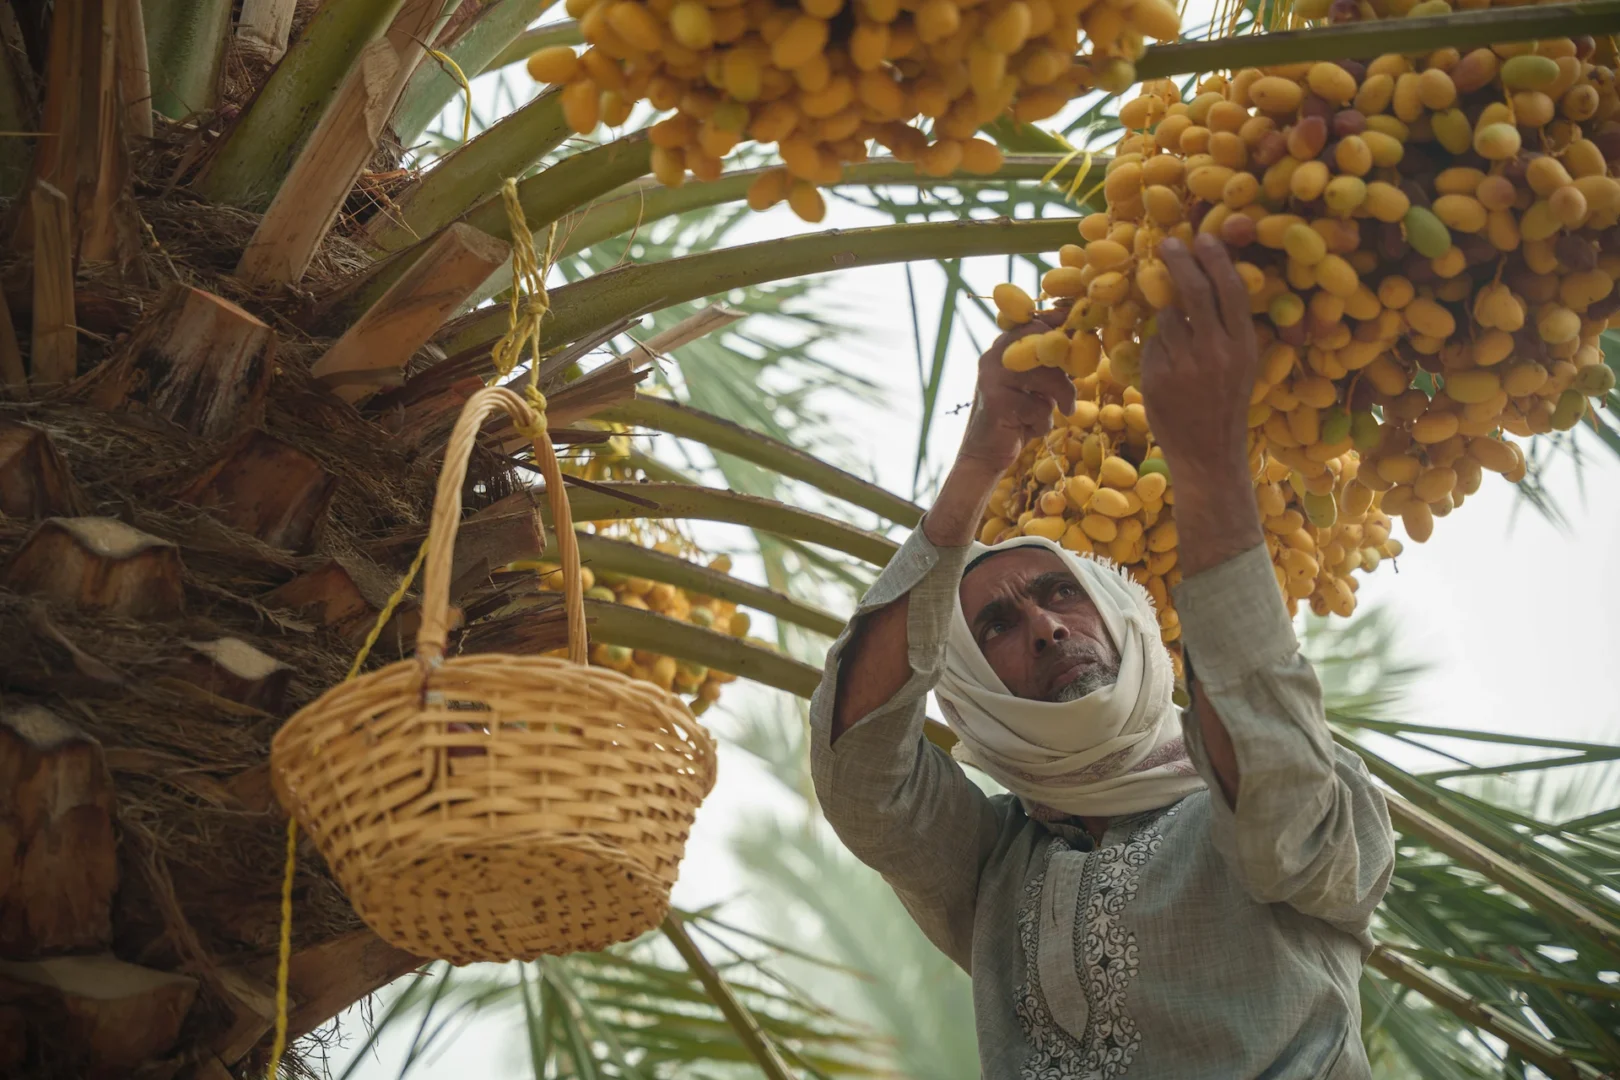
(1297, 819)
(897, 801)
(1009, 409)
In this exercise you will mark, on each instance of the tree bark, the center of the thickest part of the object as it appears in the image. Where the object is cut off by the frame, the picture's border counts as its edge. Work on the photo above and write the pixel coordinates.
(500, 533)
(427, 420)
(209, 1067)
(232, 669)
(13, 1037)
(611, 384)
(99, 563)
(386, 337)
(13, 374)
(200, 360)
(54, 358)
(314, 191)
(185, 53)
(327, 978)
(83, 154)
(58, 854)
(19, 104)
(34, 478)
(96, 1012)
(342, 595)
(523, 633)
(134, 75)
(322, 981)
(255, 790)
(268, 489)
(253, 1003)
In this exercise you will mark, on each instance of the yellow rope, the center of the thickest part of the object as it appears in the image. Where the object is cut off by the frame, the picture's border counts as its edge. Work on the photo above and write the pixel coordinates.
(466, 89)
(530, 303)
(284, 948)
(1079, 177)
(1063, 162)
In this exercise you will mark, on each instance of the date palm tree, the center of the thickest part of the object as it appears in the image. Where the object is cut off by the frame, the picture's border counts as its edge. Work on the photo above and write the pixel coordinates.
(244, 297)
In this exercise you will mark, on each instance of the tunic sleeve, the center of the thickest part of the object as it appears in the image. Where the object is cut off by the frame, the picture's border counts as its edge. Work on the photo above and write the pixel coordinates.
(1310, 829)
(899, 803)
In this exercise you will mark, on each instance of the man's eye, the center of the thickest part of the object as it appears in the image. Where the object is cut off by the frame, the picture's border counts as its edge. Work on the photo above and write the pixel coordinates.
(1068, 590)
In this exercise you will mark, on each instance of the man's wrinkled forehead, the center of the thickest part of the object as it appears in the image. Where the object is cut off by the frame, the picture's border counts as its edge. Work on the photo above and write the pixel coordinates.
(983, 574)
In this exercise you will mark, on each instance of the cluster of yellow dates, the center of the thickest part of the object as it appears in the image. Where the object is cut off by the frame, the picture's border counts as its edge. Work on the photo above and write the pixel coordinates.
(1430, 245)
(823, 78)
(700, 684)
(1097, 484)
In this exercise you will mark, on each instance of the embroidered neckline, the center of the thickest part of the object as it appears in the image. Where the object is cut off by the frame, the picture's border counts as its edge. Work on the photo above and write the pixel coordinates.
(1106, 960)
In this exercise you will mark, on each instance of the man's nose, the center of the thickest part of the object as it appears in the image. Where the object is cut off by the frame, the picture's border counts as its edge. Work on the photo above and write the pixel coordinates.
(1048, 628)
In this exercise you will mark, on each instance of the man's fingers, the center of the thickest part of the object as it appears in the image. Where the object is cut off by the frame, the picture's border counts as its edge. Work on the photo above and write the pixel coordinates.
(1174, 332)
(1166, 354)
(1192, 287)
(1230, 291)
(992, 355)
(1054, 386)
(1032, 410)
(1009, 336)
(1036, 412)
(1054, 318)
(1157, 370)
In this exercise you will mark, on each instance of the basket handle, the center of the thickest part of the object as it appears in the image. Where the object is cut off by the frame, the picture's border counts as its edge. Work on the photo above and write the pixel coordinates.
(434, 632)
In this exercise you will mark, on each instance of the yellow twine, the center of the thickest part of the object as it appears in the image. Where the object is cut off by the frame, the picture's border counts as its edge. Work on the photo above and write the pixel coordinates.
(1268, 18)
(466, 90)
(1232, 18)
(1062, 164)
(1079, 177)
(284, 947)
(1088, 196)
(530, 303)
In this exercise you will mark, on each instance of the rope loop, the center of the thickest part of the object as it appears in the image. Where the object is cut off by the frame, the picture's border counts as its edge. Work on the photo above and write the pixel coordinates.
(530, 303)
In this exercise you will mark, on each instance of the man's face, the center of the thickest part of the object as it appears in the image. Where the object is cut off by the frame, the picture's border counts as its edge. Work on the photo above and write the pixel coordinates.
(1037, 627)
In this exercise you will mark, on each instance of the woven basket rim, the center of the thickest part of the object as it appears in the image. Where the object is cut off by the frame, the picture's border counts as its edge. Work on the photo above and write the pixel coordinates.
(329, 706)
(409, 667)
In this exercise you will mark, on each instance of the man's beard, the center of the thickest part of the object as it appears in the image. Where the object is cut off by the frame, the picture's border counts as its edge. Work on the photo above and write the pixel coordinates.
(1103, 671)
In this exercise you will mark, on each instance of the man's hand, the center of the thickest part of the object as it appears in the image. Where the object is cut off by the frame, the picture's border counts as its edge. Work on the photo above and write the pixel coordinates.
(1198, 371)
(1009, 409)
(1197, 374)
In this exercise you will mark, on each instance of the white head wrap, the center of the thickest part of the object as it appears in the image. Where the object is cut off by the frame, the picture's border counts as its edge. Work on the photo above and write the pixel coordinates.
(1114, 752)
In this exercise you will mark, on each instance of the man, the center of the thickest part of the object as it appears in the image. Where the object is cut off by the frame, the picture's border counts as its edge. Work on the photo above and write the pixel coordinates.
(1163, 895)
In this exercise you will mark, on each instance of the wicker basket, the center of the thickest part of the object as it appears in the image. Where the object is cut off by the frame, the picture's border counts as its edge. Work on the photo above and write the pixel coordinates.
(496, 807)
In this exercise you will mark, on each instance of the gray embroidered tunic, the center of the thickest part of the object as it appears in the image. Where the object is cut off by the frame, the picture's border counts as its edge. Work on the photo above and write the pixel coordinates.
(1194, 941)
